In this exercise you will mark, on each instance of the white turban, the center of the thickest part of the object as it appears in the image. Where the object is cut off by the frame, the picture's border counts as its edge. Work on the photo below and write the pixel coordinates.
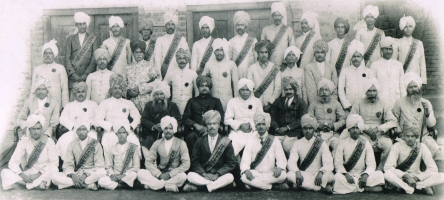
(312, 20)
(280, 7)
(218, 43)
(80, 17)
(167, 120)
(259, 116)
(121, 123)
(210, 116)
(354, 119)
(356, 46)
(40, 81)
(33, 119)
(309, 120)
(325, 82)
(369, 83)
(171, 16)
(293, 49)
(146, 24)
(371, 10)
(208, 21)
(81, 122)
(406, 20)
(102, 51)
(411, 76)
(116, 20)
(52, 45)
(241, 16)
(387, 41)
(245, 82)
(161, 86)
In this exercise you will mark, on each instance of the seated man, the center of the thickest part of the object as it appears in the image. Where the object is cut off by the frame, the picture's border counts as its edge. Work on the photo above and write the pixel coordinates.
(196, 107)
(212, 159)
(41, 158)
(286, 114)
(316, 164)
(355, 163)
(240, 113)
(123, 162)
(263, 162)
(402, 168)
(172, 157)
(328, 113)
(84, 164)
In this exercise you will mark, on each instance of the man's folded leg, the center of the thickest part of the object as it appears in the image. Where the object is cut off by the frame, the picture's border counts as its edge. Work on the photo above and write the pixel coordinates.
(145, 177)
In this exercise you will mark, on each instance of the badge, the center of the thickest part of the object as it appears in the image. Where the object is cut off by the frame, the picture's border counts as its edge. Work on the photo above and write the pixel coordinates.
(419, 109)
(250, 107)
(186, 84)
(225, 74)
(54, 70)
(46, 104)
(378, 114)
(329, 110)
(364, 75)
(124, 110)
(84, 109)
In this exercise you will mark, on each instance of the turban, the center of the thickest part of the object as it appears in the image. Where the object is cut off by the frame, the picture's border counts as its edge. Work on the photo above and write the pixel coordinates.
(101, 51)
(370, 82)
(204, 79)
(259, 116)
(52, 45)
(77, 86)
(293, 49)
(325, 82)
(167, 120)
(82, 122)
(117, 79)
(121, 123)
(264, 43)
(41, 81)
(406, 20)
(241, 16)
(210, 116)
(307, 120)
(163, 87)
(387, 41)
(321, 44)
(138, 44)
(245, 82)
(80, 17)
(373, 10)
(343, 21)
(356, 46)
(312, 20)
(280, 7)
(221, 43)
(410, 128)
(33, 119)
(208, 21)
(170, 16)
(411, 76)
(354, 119)
(116, 20)
(183, 52)
(148, 24)
(289, 80)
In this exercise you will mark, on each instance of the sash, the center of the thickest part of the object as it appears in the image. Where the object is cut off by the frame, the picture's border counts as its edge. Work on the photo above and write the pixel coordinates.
(341, 56)
(35, 154)
(169, 56)
(357, 152)
(261, 154)
(116, 53)
(278, 38)
(304, 45)
(149, 50)
(206, 57)
(266, 82)
(88, 44)
(314, 149)
(375, 41)
(410, 55)
(407, 163)
(129, 156)
(217, 153)
(85, 154)
(243, 53)
(171, 156)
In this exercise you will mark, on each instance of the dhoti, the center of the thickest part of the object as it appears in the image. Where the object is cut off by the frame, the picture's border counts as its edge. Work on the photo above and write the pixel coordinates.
(309, 179)
(396, 179)
(9, 178)
(109, 184)
(146, 178)
(264, 180)
(220, 182)
(343, 187)
(63, 181)
(239, 139)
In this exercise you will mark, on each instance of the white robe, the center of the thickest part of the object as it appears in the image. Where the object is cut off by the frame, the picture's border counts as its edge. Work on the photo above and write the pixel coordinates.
(98, 85)
(236, 45)
(350, 84)
(269, 33)
(199, 50)
(182, 81)
(366, 36)
(390, 75)
(110, 44)
(257, 74)
(161, 50)
(334, 49)
(418, 63)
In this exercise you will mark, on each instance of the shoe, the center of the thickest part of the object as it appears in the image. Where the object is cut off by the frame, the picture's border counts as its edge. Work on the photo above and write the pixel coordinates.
(93, 187)
(428, 191)
(171, 188)
(146, 187)
(189, 188)
(247, 187)
(373, 189)
(280, 186)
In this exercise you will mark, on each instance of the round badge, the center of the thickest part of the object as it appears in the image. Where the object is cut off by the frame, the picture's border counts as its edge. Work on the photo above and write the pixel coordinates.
(250, 107)
(364, 75)
(378, 114)
(186, 84)
(419, 109)
(46, 104)
(53, 70)
(225, 74)
(124, 110)
(329, 110)
(84, 109)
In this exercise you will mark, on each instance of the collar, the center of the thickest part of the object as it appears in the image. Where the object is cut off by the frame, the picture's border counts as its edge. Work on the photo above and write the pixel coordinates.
(306, 33)
(278, 25)
(264, 136)
(82, 34)
(243, 36)
(374, 29)
(215, 137)
(170, 140)
(206, 39)
(102, 70)
(266, 64)
(407, 38)
(320, 64)
(203, 96)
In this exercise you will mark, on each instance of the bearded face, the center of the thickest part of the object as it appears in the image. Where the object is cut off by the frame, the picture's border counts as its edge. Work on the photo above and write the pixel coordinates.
(414, 91)
(325, 94)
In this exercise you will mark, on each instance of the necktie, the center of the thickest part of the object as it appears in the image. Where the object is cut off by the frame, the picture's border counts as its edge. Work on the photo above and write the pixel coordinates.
(262, 140)
(286, 102)
(212, 144)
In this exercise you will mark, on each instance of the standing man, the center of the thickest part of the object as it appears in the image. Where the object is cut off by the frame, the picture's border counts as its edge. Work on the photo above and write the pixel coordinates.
(167, 45)
(242, 45)
(146, 30)
(98, 81)
(79, 57)
(202, 49)
(118, 46)
(310, 34)
(338, 54)
(279, 33)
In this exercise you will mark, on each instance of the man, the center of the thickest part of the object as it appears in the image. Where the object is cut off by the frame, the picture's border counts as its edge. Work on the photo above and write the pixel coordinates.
(182, 80)
(368, 34)
(402, 168)
(83, 162)
(328, 113)
(146, 30)
(242, 44)
(174, 160)
(123, 162)
(154, 111)
(54, 73)
(240, 113)
(314, 171)
(118, 46)
(265, 75)
(291, 57)
(315, 71)
(310, 34)
(355, 163)
(223, 72)
(80, 108)
(286, 114)
(196, 107)
(389, 73)
(351, 79)
(413, 110)
(279, 33)
(263, 162)
(338, 54)
(212, 159)
(34, 160)
(79, 52)
(202, 49)
(98, 82)
(167, 45)
(411, 50)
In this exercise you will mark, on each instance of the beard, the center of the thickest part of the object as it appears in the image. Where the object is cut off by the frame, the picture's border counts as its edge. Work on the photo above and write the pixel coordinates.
(325, 99)
(371, 99)
(415, 96)
(160, 105)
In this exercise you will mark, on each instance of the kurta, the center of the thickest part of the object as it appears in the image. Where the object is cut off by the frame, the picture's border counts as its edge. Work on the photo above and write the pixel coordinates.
(124, 59)
(56, 74)
(376, 114)
(350, 84)
(98, 85)
(161, 50)
(257, 74)
(51, 113)
(236, 45)
(299, 75)
(366, 36)
(74, 153)
(334, 49)
(391, 77)
(330, 112)
(199, 50)
(115, 161)
(308, 55)
(418, 64)
(313, 76)
(269, 33)
(182, 82)
(180, 163)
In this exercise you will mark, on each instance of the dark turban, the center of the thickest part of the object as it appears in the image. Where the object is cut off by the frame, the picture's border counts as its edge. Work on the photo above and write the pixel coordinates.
(138, 44)
(345, 22)
(264, 43)
(204, 79)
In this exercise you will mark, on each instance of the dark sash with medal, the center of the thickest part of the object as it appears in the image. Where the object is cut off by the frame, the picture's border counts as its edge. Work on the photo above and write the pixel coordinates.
(206, 57)
(129, 156)
(247, 46)
(278, 38)
(169, 56)
(341, 57)
(150, 50)
(311, 155)
(407, 163)
(116, 54)
(87, 152)
(375, 41)
(266, 82)
(357, 152)
(88, 44)
(261, 154)
(217, 153)
(410, 55)
(35, 154)
(171, 156)
(305, 45)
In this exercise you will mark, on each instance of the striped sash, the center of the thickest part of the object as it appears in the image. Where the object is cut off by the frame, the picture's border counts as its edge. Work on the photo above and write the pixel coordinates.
(311, 155)
(410, 55)
(357, 152)
(341, 56)
(87, 152)
(129, 156)
(375, 41)
(88, 44)
(206, 57)
(266, 82)
(305, 45)
(150, 50)
(247, 46)
(169, 56)
(171, 156)
(407, 163)
(35, 154)
(217, 153)
(261, 154)
(117, 53)
(278, 38)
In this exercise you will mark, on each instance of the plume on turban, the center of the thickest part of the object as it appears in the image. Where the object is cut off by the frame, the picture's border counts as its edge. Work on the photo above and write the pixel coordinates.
(307, 120)
(52, 45)
(211, 115)
(312, 20)
(280, 7)
(241, 16)
(167, 120)
(208, 21)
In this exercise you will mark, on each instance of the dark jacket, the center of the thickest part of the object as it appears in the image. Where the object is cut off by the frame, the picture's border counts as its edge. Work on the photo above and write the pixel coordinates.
(151, 118)
(197, 106)
(282, 116)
